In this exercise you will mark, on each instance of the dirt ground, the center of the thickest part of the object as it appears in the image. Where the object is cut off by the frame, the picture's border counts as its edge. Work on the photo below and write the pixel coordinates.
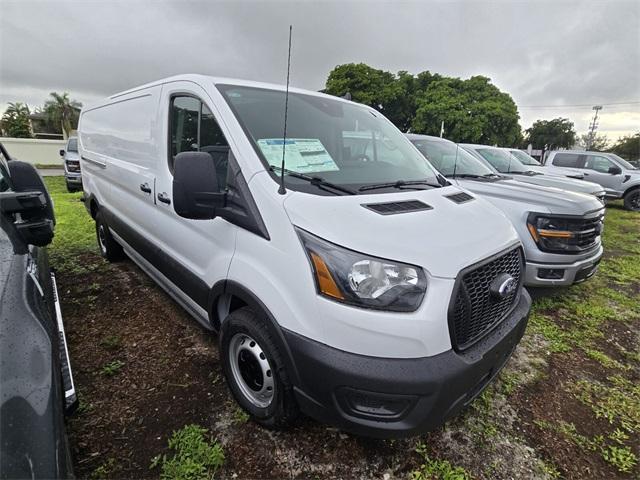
(170, 376)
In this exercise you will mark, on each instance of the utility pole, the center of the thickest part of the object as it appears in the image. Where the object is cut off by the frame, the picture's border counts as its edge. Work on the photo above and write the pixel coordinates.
(593, 127)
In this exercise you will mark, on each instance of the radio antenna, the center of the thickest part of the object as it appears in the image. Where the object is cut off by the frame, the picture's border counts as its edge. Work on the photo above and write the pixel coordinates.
(455, 161)
(282, 190)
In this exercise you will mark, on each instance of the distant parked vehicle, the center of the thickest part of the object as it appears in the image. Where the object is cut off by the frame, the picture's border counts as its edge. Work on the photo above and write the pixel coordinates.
(560, 230)
(503, 162)
(534, 165)
(71, 162)
(619, 178)
(36, 386)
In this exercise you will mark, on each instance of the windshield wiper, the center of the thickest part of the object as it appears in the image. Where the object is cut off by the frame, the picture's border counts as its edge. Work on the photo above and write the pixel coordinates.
(317, 181)
(400, 184)
(466, 175)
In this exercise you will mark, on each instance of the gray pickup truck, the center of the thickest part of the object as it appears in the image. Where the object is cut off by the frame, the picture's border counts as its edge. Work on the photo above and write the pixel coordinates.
(560, 230)
(501, 161)
(619, 178)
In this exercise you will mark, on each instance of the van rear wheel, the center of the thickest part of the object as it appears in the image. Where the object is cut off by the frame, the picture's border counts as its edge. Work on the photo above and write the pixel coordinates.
(109, 248)
(632, 200)
(255, 371)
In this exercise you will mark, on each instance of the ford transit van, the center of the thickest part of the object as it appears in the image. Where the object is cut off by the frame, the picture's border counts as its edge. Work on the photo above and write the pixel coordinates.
(362, 289)
(560, 230)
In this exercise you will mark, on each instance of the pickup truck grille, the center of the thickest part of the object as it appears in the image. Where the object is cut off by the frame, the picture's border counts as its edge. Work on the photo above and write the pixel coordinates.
(474, 309)
(585, 231)
(73, 165)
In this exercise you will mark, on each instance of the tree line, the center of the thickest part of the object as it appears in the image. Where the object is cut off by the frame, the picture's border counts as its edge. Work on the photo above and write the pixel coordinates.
(468, 111)
(58, 115)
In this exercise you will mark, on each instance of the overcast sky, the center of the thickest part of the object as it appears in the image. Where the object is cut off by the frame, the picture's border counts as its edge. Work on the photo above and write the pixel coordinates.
(542, 53)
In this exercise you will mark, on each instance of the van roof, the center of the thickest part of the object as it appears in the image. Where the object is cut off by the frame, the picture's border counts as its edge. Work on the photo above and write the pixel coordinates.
(203, 79)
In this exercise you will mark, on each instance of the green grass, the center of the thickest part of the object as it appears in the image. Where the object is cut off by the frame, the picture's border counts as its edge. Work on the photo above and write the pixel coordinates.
(436, 469)
(49, 166)
(75, 230)
(193, 456)
(111, 368)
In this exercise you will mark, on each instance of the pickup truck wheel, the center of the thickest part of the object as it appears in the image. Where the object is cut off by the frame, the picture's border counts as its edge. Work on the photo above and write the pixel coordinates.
(255, 371)
(632, 200)
(109, 248)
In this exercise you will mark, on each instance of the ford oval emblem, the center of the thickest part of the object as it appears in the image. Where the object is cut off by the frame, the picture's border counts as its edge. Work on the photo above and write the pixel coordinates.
(503, 286)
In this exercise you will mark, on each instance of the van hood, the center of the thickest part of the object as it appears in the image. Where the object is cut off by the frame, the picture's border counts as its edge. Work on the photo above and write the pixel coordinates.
(443, 240)
(538, 198)
(559, 182)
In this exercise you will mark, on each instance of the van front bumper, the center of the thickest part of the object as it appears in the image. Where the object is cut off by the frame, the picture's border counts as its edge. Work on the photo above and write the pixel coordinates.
(390, 397)
(539, 274)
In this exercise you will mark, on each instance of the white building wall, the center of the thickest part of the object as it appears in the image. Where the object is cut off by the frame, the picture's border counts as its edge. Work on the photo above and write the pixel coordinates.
(34, 150)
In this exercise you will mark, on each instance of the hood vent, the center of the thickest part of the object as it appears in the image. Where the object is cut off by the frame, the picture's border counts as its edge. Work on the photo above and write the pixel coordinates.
(461, 197)
(393, 208)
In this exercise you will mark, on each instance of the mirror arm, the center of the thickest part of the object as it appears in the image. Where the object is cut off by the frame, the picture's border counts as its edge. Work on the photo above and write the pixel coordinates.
(20, 202)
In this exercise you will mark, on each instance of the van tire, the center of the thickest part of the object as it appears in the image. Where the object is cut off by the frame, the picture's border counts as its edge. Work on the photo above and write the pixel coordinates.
(109, 248)
(632, 199)
(243, 324)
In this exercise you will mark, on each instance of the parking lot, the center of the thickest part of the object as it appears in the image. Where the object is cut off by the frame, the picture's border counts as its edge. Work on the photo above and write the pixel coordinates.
(567, 404)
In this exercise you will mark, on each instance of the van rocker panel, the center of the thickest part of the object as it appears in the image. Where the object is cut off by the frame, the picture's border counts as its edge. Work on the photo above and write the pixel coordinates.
(399, 397)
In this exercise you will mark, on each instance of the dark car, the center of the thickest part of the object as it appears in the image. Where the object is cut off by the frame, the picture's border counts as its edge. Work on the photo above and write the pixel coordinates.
(36, 385)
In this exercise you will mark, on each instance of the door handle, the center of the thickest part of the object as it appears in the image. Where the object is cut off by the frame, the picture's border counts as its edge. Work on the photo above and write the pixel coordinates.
(145, 187)
(585, 174)
(164, 198)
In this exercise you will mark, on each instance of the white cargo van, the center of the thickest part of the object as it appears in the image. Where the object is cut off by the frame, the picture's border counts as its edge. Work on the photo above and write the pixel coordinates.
(368, 292)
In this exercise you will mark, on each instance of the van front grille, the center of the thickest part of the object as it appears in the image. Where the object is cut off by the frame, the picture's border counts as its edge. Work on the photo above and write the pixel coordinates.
(475, 309)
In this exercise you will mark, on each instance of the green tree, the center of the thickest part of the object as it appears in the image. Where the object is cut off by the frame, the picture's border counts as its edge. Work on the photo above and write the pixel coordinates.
(628, 147)
(63, 111)
(472, 110)
(551, 134)
(15, 121)
(599, 143)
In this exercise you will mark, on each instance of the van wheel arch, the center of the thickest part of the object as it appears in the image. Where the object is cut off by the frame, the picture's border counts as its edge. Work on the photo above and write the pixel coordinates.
(93, 207)
(227, 296)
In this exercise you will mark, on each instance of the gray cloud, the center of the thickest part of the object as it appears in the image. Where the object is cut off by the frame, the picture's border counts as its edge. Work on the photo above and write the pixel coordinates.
(541, 53)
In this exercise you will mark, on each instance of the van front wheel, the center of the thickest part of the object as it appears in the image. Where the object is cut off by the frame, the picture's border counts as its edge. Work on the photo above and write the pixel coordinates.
(255, 371)
(109, 248)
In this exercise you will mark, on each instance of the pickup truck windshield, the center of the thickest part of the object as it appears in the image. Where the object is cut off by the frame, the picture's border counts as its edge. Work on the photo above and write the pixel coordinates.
(72, 146)
(524, 158)
(449, 158)
(622, 162)
(342, 143)
(502, 161)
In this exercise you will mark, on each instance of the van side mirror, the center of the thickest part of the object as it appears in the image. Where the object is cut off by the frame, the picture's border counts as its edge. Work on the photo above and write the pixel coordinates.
(195, 186)
(615, 170)
(62, 153)
(28, 206)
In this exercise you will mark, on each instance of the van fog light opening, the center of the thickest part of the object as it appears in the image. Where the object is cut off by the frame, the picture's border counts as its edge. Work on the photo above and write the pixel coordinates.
(361, 280)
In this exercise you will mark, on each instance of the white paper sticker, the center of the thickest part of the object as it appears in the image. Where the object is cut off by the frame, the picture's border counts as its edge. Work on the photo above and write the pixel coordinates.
(302, 155)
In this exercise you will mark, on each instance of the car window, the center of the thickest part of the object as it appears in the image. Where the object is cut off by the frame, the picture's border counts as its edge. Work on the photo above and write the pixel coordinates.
(194, 129)
(571, 160)
(598, 163)
(524, 158)
(72, 145)
(502, 161)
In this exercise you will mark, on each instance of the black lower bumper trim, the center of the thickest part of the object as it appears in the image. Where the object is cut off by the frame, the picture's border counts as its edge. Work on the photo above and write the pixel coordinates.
(386, 398)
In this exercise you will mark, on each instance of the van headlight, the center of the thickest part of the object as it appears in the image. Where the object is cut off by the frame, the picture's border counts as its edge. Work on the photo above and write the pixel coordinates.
(362, 280)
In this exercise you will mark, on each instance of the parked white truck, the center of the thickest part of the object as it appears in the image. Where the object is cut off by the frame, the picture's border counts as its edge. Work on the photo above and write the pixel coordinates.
(364, 290)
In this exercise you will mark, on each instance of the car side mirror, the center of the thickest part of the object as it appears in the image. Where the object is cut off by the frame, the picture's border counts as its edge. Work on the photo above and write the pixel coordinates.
(28, 205)
(62, 153)
(615, 170)
(195, 186)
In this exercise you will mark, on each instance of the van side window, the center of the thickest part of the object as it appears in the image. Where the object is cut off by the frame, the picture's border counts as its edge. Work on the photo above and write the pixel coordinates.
(571, 160)
(193, 128)
(598, 163)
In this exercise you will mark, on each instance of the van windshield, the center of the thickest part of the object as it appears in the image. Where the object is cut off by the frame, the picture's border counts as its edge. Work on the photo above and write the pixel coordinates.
(450, 159)
(343, 143)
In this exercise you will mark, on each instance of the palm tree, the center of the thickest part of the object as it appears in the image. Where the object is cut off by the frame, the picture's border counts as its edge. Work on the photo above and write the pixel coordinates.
(15, 120)
(64, 111)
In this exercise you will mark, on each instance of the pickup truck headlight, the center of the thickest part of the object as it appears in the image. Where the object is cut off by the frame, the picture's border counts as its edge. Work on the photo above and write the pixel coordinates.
(564, 234)
(362, 280)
